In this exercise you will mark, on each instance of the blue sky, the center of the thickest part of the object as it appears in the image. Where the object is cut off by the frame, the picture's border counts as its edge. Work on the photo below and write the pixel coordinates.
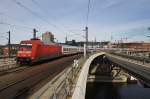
(107, 18)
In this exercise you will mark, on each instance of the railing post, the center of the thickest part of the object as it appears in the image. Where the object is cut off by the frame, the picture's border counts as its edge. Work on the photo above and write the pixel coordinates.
(54, 90)
(66, 87)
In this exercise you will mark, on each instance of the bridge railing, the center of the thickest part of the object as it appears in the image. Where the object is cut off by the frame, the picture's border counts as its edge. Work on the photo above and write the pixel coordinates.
(80, 88)
(142, 59)
(60, 87)
(138, 70)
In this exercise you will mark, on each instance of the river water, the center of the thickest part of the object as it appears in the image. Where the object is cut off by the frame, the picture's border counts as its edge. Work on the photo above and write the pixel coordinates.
(116, 91)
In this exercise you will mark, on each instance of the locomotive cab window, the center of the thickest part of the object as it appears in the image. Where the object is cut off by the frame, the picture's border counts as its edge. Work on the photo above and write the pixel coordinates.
(27, 46)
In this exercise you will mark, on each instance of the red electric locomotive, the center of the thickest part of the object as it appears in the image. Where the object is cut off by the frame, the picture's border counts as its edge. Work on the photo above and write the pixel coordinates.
(35, 50)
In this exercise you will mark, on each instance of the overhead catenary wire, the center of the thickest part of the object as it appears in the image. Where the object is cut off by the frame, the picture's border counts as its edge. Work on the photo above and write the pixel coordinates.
(18, 20)
(14, 25)
(3, 35)
(87, 19)
(36, 14)
(41, 8)
(46, 12)
(18, 27)
(32, 12)
(75, 34)
(88, 11)
(14, 18)
(86, 25)
(52, 17)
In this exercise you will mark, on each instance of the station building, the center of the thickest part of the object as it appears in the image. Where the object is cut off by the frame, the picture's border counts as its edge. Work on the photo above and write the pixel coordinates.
(135, 45)
(47, 37)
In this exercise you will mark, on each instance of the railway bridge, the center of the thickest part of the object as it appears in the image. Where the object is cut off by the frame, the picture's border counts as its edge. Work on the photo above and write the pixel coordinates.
(69, 81)
(99, 67)
(135, 68)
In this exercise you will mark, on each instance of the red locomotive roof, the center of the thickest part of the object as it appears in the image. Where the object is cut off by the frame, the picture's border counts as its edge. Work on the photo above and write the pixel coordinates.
(37, 41)
(31, 42)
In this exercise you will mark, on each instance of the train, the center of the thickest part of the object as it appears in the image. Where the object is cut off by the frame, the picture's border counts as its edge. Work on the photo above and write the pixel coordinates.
(34, 50)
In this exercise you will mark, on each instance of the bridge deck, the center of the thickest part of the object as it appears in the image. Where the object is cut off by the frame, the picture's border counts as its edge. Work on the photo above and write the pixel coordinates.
(141, 71)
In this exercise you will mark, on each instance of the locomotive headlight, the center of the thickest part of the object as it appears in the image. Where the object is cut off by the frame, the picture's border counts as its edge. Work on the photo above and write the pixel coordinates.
(24, 52)
(28, 52)
(19, 52)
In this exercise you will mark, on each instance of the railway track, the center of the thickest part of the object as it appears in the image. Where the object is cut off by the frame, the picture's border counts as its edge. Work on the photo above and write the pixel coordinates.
(15, 84)
(6, 69)
(14, 70)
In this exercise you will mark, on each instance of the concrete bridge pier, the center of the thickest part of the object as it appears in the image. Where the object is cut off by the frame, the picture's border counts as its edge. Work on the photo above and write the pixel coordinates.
(102, 70)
